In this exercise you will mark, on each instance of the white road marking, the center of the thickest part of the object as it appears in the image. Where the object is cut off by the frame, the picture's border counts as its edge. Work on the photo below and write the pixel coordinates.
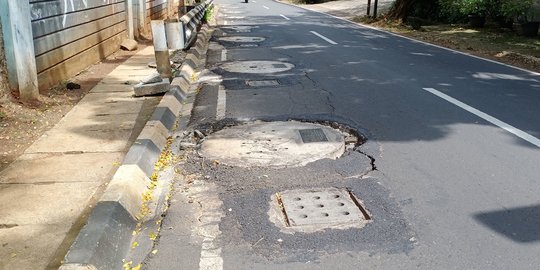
(221, 103)
(209, 217)
(266, 7)
(224, 22)
(284, 17)
(223, 55)
(323, 37)
(489, 118)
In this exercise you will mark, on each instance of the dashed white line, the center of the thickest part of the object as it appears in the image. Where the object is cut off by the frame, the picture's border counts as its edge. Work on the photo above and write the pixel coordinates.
(323, 37)
(221, 103)
(525, 136)
(266, 7)
(284, 17)
(223, 55)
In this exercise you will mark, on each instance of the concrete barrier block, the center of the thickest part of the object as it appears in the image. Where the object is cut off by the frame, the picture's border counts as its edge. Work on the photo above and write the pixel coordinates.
(171, 101)
(151, 89)
(103, 241)
(165, 116)
(127, 187)
(182, 83)
(143, 153)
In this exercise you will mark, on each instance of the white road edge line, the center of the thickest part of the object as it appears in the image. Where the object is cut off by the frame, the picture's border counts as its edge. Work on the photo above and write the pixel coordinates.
(489, 118)
(284, 17)
(266, 7)
(221, 103)
(223, 55)
(323, 37)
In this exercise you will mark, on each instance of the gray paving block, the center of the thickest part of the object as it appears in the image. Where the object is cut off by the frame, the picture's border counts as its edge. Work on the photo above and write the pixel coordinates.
(105, 239)
(151, 89)
(143, 153)
(165, 116)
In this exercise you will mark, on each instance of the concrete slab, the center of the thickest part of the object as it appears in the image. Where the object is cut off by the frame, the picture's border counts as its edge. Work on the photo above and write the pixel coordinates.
(273, 144)
(54, 167)
(78, 139)
(53, 203)
(108, 88)
(18, 245)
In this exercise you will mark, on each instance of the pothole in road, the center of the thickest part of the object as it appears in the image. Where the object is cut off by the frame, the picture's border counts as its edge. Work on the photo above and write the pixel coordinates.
(274, 144)
(318, 209)
(255, 67)
(242, 39)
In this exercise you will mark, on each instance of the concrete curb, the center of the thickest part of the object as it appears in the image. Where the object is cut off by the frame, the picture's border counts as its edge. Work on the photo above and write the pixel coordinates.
(107, 237)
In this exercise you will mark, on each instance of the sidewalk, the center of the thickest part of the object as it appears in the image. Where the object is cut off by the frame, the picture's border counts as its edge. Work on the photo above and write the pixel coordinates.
(48, 192)
(348, 9)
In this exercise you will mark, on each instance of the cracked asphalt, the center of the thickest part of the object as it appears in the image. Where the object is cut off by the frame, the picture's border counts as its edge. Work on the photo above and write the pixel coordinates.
(446, 188)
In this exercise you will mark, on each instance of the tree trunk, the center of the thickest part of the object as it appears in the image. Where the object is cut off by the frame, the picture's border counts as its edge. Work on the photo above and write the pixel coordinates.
(401, 9)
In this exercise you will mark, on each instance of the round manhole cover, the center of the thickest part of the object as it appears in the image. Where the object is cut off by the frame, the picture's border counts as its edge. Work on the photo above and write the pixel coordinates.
(242, 39)
(274, 144)
(257, 66)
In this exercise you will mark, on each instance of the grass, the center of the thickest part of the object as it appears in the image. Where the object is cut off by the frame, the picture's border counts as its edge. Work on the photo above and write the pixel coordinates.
(491, 42)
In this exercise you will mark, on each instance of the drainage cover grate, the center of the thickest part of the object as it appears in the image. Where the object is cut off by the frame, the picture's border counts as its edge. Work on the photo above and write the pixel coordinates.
(262, 83)
(321, 208)
(312, 135)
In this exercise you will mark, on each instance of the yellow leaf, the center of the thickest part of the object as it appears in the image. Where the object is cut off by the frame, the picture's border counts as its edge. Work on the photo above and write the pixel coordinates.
(154, 251)
(13, 255)
(138, 267)
(135, 244)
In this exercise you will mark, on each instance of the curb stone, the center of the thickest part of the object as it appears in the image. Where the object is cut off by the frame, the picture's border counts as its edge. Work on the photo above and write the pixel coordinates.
(108, 236)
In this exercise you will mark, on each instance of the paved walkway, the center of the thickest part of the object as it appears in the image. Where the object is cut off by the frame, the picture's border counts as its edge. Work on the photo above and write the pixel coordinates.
(348, 8)
(46, 194)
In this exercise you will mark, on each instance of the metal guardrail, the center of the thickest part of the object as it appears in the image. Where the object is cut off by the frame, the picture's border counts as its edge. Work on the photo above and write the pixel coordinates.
(189, 24)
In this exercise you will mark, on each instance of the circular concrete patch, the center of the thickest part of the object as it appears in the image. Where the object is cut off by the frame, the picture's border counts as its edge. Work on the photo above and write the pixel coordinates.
(273, 144)
(257, 66)
(242, 39)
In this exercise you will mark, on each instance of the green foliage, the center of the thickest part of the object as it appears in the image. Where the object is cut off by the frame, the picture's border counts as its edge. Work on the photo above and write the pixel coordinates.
(208, 13)
(517, 9)
(473, 6)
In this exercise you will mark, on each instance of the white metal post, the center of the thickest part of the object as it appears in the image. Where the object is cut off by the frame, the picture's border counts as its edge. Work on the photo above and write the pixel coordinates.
(19, 48)
(129, 19)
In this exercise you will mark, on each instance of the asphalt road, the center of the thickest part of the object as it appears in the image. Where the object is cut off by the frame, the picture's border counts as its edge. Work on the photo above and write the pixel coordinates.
(454, 138)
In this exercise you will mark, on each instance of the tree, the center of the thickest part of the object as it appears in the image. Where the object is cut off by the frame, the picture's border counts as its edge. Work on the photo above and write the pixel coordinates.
(400, 9)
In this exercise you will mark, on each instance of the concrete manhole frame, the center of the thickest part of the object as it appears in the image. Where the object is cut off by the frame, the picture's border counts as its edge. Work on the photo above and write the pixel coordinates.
(256, 67)
(261, 148)
(318, 209)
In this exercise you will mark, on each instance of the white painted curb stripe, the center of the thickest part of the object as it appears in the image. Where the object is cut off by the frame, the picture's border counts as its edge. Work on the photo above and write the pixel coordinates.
(221, 103)
(284, 17)
(487, 117)
(223, 55)
(323, 37)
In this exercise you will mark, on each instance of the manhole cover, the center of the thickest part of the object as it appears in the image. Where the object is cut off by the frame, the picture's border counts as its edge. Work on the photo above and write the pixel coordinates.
(256, 66)
(262, 83)
(321, 209)
(312, 135)
(242, 39)
(275, 144)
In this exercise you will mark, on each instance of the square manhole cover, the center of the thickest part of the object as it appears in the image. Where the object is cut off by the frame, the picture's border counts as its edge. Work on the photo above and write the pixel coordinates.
(312, 135)
(324, 208)
(262, 83)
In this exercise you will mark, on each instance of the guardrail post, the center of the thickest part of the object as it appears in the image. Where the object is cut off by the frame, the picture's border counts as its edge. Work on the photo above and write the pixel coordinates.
(141, 16)
(160, 49)
(19, 48)
(129, 19)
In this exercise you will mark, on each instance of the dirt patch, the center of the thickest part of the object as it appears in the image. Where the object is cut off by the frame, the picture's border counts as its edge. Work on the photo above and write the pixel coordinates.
(503, 45)
(21, 125)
